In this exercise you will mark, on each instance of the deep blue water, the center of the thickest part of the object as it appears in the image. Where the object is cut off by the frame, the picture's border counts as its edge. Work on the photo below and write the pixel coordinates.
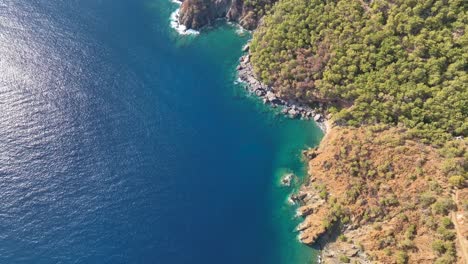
(122, 142)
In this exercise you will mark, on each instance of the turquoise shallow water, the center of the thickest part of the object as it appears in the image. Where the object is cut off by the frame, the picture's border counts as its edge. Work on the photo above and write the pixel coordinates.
(289, 136)
(124, 142)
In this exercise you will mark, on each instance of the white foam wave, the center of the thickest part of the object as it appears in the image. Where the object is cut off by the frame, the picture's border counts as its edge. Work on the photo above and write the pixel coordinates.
(241, 31)
(181, 29)
(238, 81)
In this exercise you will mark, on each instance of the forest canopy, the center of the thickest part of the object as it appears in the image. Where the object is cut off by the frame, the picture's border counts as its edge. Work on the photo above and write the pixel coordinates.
(395, 62)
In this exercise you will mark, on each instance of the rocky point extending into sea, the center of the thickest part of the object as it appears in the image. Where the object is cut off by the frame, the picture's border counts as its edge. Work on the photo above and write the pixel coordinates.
(290, 108)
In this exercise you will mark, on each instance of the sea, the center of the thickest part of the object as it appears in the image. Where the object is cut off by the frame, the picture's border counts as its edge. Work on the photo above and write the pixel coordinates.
(124, 141)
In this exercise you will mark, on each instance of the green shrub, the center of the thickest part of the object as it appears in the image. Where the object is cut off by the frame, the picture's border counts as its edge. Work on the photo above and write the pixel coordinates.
(342, 238)
(426, 199)
(410, 232)
(322, 191)
(445, 259)
(435, 187)
(344, 259)
(430, 222)
(452, 149)
(446, 222)
(445, 234)
(407, 244)
(438, 246)
(401, 257)
(443, 206)
(451, 166)
(457, 181)
(390, 200)
(446, 248)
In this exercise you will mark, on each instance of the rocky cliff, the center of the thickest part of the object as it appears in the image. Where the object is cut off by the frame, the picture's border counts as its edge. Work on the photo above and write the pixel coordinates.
(196, 14)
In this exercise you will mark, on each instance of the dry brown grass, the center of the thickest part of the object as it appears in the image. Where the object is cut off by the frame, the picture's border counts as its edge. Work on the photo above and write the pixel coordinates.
(387, 180)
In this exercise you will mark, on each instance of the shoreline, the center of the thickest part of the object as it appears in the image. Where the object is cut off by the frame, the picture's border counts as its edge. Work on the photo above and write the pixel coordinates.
(289, 108)
(305, 198)
(311, 207)
(181, 29)
(267, 94)
(175, 22)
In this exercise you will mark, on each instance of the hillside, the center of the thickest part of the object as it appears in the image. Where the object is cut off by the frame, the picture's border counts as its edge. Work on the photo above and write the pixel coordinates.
(371, 61)
(400, 63)
(388, 195)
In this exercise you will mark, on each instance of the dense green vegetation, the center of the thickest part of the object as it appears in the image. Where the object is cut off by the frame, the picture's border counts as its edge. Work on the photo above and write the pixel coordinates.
(258, 7)
(397, 62)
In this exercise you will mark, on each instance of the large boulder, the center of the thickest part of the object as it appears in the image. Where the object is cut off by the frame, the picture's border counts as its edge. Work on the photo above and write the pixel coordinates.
(246, 59)
(270, 96)
(318, 118)
(260, 92)
(293, 113)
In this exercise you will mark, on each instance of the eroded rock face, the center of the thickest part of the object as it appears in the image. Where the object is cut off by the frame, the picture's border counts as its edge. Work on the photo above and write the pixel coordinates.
(196, 14)
(314, 212)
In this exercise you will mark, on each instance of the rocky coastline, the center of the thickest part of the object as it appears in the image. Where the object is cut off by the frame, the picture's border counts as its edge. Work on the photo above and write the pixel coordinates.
(321, 198)
(267, 94)
(312, 208)
(196, 14)
(307, 199)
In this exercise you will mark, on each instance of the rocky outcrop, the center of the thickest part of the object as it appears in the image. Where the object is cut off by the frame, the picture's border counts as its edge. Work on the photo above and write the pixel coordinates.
(338, 251)
(314, 210)
(290, 108)
(195, 14)
(310, 154)
(287, 179)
